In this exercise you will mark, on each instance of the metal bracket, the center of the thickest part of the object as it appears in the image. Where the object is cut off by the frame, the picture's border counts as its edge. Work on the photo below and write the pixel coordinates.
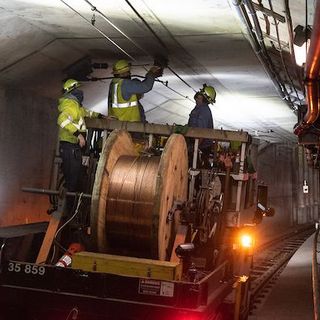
(177, 206)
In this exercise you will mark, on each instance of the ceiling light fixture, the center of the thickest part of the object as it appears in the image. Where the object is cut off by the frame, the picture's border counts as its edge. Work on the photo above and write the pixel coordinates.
(301, 43)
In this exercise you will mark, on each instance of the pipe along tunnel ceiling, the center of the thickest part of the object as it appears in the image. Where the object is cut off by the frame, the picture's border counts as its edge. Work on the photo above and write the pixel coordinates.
(206, 41)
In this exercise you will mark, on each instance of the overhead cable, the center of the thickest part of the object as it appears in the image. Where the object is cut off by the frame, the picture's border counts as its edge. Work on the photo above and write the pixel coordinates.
(121, 49)
(159, 40)
(148, 26)
(165, 83)
(94, 9)
(186, 83)
(97, 29)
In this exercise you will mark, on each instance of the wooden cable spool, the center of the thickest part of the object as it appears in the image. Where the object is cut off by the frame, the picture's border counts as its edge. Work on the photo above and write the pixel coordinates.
(132, 196)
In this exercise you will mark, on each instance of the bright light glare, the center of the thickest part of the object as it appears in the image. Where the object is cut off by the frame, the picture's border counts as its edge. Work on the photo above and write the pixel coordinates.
(239, 108)
(301, 53)
(246, 240)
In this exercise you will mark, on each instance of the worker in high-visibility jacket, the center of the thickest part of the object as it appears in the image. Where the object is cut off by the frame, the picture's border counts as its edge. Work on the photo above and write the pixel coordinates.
(72, 131)
(124, 92)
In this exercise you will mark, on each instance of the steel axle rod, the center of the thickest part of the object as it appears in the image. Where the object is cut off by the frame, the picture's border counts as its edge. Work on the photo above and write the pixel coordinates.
(55, 192)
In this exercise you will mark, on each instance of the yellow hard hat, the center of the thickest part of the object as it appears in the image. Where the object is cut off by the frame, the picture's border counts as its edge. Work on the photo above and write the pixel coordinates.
(121, 66)
(70, 84)
(209, 93)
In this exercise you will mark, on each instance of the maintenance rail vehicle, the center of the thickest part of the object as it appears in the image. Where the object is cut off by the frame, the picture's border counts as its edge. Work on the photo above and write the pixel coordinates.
(205, 274)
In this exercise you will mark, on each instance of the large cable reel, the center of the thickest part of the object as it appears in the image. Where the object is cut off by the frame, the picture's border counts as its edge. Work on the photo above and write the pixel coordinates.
(133, 195)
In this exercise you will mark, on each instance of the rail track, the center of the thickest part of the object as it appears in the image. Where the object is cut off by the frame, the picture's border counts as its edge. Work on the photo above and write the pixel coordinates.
(270, 260)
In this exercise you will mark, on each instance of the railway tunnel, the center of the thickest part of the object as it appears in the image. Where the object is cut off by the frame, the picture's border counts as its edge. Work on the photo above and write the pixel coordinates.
(247, 50)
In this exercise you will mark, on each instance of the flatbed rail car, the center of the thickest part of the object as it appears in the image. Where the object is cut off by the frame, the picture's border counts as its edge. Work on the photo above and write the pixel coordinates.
(31, 290)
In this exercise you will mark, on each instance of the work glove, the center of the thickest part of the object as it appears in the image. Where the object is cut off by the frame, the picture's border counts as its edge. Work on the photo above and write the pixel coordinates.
(180, 129)
(155, 71)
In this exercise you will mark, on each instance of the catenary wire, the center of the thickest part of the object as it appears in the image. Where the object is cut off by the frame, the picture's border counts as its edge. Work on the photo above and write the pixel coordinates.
(98, 30)
(121, 49)
(159, 40)
(94, 8)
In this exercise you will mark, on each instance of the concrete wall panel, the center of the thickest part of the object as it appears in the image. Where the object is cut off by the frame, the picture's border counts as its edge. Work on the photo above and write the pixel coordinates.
(27, 140)
(275, 169)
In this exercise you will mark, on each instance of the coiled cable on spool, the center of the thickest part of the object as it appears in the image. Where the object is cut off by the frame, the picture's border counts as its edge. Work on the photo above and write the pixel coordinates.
(132, 196)
(130, 202)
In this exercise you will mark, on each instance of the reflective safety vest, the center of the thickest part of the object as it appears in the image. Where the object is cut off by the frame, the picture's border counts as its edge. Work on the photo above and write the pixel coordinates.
(123, 110)
(71, 118)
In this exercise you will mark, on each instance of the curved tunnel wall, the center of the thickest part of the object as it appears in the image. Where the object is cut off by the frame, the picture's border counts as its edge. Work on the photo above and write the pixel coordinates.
(283, 168)
(27, 140)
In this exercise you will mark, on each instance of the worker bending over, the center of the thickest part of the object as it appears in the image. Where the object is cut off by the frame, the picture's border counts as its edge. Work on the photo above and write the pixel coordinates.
(124, 92)
(72, 132)
(201, 117)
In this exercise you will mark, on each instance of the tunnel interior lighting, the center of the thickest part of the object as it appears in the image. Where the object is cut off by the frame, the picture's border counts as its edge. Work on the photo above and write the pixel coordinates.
(301, 42)
(301, 53)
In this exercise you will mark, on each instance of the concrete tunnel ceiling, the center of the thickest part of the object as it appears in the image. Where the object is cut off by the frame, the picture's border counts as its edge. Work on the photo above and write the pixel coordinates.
(205, 42)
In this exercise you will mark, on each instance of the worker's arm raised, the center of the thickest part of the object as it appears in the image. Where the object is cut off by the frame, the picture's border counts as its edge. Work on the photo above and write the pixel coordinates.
(135, 86)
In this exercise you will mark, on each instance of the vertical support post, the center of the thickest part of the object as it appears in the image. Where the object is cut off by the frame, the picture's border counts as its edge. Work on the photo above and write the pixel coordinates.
(195, 153)
(150, 140)
(55, 168)
(226, 190)
(240, 182)
(242, 157)
(194, 166)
